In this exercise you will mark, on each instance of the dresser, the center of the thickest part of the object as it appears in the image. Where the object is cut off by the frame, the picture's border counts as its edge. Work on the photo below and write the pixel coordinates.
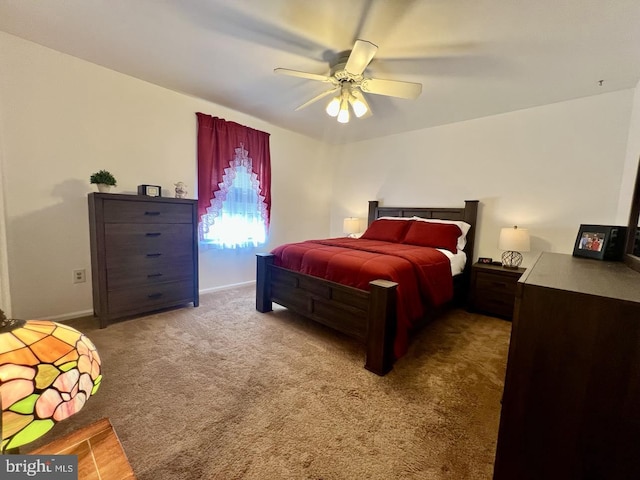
(144, 254)
(493, 289)
(571, 403)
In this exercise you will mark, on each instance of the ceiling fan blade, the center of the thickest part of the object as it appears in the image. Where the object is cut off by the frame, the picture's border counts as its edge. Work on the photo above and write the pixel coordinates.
(318, 97)
(307, 75)
(391, 88)
(360, 57)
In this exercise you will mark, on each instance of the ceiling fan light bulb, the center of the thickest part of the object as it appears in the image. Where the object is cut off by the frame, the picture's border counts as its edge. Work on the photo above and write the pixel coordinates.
(343, 116)
(359, 107)
(333, 107)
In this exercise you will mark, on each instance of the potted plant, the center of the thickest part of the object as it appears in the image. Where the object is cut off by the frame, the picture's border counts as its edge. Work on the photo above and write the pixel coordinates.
(104, 180)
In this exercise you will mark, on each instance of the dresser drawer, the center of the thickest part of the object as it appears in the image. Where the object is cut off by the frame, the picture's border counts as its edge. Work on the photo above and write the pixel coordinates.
(125, 241)
(150, 297)
(122, 211)
(144, 270)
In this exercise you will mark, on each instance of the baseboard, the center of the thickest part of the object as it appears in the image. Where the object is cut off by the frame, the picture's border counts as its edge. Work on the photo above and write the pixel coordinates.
(70, 316)
(226, 287)
(89, 313)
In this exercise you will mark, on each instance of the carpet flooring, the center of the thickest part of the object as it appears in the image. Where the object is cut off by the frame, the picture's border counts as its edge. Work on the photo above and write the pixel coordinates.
(224, 392)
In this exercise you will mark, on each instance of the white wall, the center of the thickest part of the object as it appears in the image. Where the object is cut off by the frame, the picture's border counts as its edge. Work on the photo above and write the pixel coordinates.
(548, 169)
(62, 119)
(5, 298)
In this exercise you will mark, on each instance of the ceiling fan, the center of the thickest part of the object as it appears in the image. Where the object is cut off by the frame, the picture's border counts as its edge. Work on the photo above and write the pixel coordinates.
(348, 83)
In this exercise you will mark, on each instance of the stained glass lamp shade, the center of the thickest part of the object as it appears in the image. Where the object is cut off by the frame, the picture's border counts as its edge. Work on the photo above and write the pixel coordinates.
(47, 373)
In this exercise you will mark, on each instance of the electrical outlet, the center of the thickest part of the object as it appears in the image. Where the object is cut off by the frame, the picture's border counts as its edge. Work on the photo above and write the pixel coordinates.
(79, 276)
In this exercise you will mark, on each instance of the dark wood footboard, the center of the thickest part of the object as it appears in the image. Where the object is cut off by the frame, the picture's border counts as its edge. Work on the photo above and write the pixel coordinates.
(368, 317)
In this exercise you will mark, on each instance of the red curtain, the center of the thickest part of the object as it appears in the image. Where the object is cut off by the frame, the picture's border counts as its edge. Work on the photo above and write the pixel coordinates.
(217, 141)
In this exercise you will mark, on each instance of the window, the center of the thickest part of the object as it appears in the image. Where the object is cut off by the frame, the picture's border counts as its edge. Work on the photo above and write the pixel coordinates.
(235, 213)
(239, 221)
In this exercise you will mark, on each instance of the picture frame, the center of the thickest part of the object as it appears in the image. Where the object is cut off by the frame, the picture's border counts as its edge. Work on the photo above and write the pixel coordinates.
(601, 242)
(150, 190)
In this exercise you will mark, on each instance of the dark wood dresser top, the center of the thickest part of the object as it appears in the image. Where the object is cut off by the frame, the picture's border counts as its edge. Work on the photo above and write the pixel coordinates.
(584, 275)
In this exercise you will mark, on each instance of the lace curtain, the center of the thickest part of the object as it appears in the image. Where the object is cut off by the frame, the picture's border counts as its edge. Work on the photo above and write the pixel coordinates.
(234, 183)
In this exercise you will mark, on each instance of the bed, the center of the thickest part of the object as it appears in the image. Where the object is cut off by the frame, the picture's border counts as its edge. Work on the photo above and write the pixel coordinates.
(376, 313)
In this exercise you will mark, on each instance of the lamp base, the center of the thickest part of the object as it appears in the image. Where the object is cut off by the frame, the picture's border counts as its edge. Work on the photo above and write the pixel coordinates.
(511, 259)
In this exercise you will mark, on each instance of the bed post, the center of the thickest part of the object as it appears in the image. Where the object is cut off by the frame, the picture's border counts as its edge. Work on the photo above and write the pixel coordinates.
(381, 326)
(373, 207)
(471, 217)
(263, 282)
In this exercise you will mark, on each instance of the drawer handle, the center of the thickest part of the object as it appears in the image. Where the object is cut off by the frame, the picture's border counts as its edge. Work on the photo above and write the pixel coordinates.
(499, 284)
(152, 213)
(153, 254)
(153, 234)
(154, 295)
(152, 275)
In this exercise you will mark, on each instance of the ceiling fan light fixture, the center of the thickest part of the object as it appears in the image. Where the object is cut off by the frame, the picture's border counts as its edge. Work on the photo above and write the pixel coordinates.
(347, 75)
(359, 107)
(343, 114)
(333, 107)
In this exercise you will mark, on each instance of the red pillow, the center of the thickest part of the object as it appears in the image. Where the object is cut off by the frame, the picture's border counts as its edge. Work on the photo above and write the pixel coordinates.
(435, 235)
(387, 230)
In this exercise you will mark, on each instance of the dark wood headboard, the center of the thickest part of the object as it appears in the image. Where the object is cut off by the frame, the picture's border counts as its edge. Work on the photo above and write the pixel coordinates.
(468, 213)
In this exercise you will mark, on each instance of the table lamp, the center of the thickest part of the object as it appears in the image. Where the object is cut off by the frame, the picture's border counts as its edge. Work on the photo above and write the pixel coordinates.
(47, 373)
(513, 240)
(351, 225)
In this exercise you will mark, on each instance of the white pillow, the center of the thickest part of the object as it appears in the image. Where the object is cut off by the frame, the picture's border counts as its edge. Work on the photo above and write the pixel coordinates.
(463, 226)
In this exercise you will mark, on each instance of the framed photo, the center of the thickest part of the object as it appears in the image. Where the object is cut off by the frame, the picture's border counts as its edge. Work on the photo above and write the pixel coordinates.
(150, 190)
(602, 242)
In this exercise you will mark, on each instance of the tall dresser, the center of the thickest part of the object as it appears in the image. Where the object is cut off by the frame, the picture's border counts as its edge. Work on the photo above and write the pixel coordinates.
(144, 254)
(571, 404)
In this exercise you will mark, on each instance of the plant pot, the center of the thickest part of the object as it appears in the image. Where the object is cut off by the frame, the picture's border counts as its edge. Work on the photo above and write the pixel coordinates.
(104, 188)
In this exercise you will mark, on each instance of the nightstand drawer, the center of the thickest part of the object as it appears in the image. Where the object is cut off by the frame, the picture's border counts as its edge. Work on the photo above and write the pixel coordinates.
(494, 303)
(496, 283)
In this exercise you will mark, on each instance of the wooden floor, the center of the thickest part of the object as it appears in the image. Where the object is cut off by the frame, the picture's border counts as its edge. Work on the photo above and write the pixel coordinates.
(100, 454)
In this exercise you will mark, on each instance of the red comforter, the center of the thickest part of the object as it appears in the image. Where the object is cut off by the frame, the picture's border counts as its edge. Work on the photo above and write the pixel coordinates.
(423, 274)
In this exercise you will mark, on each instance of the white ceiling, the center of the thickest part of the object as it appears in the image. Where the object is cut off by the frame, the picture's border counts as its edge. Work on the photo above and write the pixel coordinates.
(473, 57)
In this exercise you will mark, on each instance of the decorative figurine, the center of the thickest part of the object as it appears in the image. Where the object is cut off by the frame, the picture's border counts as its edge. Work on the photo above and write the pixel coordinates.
(181, 190)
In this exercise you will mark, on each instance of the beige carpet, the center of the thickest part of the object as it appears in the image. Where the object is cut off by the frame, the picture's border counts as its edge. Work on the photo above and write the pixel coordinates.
(224, 392)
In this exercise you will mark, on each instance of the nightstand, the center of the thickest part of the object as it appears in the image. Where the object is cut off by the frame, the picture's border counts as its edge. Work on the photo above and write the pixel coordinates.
(493, 289)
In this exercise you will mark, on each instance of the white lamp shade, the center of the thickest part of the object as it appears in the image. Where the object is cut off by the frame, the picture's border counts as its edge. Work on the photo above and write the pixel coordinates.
(333, 107)
(351, 225)
(514, 239)
(343, 114)
(359, 107)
